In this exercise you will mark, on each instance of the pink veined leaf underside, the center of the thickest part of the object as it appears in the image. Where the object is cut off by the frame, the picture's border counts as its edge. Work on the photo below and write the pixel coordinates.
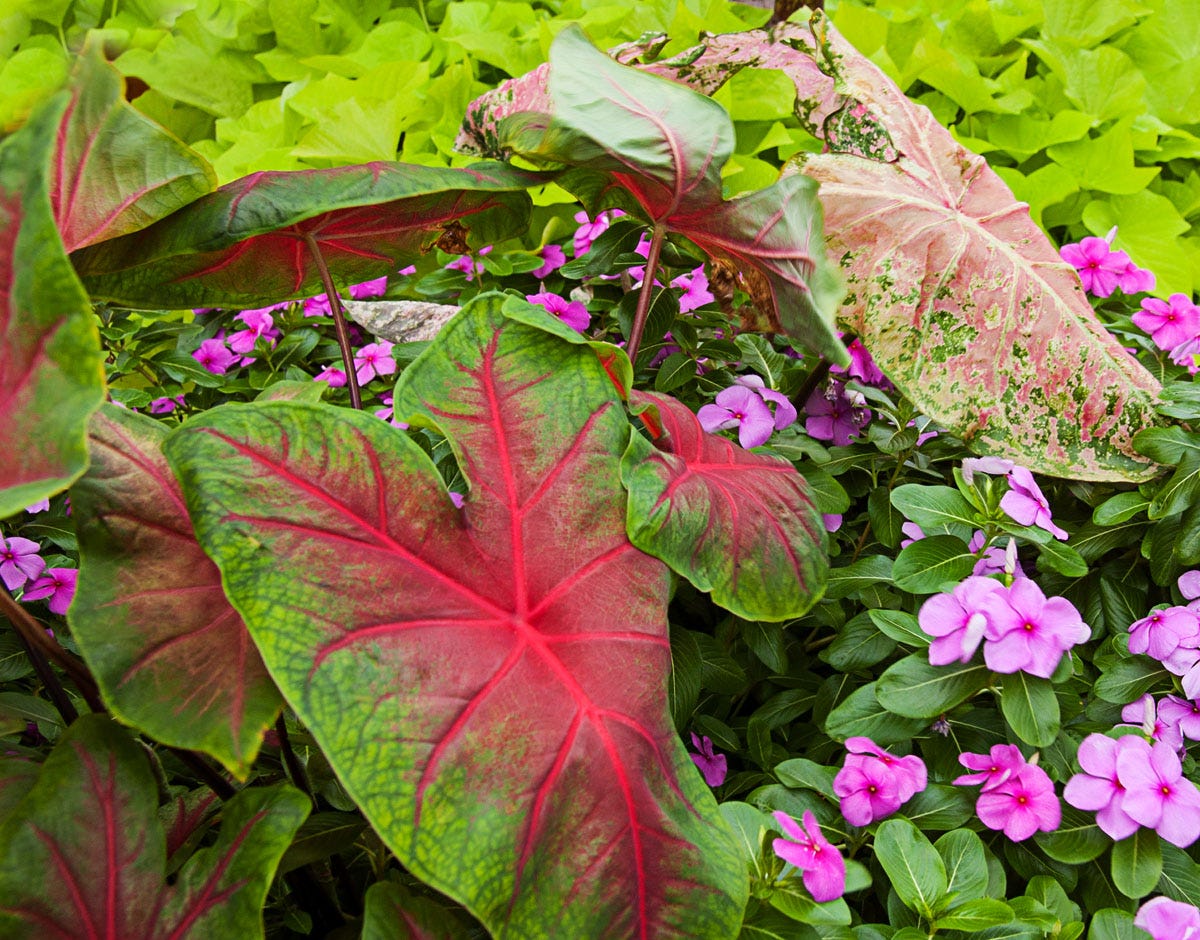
(51, 374)
(169, 653)
(489, 683)
(245, 244)
(82, 856)
(736, 524)
(115, 171)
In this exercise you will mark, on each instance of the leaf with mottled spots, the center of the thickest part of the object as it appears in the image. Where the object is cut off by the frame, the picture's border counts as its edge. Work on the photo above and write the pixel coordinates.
(738, 525)
(490, 682)
(170, 655)
(84, 853)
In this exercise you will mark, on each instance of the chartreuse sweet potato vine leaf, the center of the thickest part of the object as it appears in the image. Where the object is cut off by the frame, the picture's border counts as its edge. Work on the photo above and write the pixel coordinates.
(51, 374)
(736, 524)
(84, 853)
(489, 683)
(170, 655)
(246, 244)
(116, 171)
(665, 145)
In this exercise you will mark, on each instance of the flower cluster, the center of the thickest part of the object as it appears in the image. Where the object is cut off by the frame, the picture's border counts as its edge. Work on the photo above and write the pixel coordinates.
(874, 783)
(1024, 501)
(1172, 636)
(1016, 798)
(1129, 783)
(823, 870)
(571, 312)
(746, 406)
(1021, 629)
(22, 568)
(1103, 270)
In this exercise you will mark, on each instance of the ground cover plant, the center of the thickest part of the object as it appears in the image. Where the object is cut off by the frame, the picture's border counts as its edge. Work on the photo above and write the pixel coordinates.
(754, 553)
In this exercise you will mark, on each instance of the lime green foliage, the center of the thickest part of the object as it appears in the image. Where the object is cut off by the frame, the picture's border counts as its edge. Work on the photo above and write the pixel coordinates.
(1089, 110)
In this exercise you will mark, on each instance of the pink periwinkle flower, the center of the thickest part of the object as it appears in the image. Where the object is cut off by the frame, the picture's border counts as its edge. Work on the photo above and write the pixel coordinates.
(468, 265)
(910, 771)
(993, 769)
(912, 533)
(164, 406)
(372, 360)
(589, 230)
(1030, 632)
(863, 367)
(1100, 268)
(1145, 715)
(781, 406)
(553, 258)
(1182, 714)
(1170, 635)
(989, 465)
(959, 621)
(1189, 585)
(831, 520)
(573, 313)
(1165, 919)
(742, 408)
(1025, 504)
(43, 505)
(695, 290)
(714, 766)
(19, 561)
(215, 356)
(1187, 354)
(55, 584)
(458, 500)
(1099, 788)
(994, 559)
(385, 413)
(1024, 804)
(835, 414)
(822, 868)
(259, 325)
(873, 784)
(1157, 794)
(1169, 322)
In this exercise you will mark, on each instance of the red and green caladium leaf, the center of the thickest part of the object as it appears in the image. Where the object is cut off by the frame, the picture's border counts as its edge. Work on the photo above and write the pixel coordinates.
(51, 373)
(115, 171)
(488, 682)
(245, 245)
(738, 525)
(169, 653)
(665, 145)
(84, 853)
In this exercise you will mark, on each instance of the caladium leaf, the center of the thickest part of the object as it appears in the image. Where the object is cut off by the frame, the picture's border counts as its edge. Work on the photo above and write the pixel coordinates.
(489, 683)
(51, 373)
(739, 525)
(84, 854)
(169, 653)
(391, 913)
(115, 171)
(665, 145)
(245, 244)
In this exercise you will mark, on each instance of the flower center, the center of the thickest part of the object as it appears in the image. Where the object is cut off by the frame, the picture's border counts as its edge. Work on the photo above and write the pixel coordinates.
(1027, 627)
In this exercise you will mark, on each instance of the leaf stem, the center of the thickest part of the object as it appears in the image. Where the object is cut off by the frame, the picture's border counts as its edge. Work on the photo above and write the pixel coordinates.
(643, 304)
(339, 320)
(295, 769)
(202, 769)
(42, 648)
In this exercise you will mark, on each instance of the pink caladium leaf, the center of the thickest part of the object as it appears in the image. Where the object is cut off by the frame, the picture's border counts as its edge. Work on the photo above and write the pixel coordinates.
(663, 146)
(489, 682)
(84, 854)
(169, 653)
(736, 524)
(116, 171)
(245, 245)
(51, 371)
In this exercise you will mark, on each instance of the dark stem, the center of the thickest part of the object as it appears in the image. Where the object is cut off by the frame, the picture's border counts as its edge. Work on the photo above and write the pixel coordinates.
(205, 771)
(815, 378)
(339, 320)
(643, 304)
(295, 769)
(45, 673)
(41, 646)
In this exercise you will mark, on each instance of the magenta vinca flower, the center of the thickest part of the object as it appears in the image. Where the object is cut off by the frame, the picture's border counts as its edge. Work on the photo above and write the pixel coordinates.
(1170, 635)
(1157, 794)
(1165, 919)
(784, 410)
(57, 585)
(553, 258)
(333, 375)
(863, 367)
(695, 290)
(164, 406)
(19, 561)
(1024, 804)
(993, 769)
(573, 313)
(959, 621)
(742, 408)
(873, 784)
(714, 766)
(215, 356)
(912, 533)
(1148, 717)
(43, 505)
(910, 771)
(1029, 633)
(1099, 788)
(1025, 504)
(1100, 268)
(468, 265)
(589, 230)
(1169, 322)
(835, 414)
(822, 868)
(372, 360)
(1182, 714)
(988, 465)
(259, 325)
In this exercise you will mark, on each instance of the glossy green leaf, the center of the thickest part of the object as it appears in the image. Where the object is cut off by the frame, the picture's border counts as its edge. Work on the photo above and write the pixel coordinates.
(393, 913)
(915, 689)
(913, 866)
(1031, 708)
(1076, 840)
(966, 864)
(1137, 863)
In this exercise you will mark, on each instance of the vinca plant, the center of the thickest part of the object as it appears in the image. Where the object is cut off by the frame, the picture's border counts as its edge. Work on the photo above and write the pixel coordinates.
(812, 561)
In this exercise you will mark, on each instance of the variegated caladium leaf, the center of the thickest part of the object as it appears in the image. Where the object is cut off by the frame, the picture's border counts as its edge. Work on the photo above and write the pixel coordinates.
(51, 373)
(84, 854)
(664, 145)
(738, 525)
(245, 245)
(488, 682)
(169, 653)
(116, 171)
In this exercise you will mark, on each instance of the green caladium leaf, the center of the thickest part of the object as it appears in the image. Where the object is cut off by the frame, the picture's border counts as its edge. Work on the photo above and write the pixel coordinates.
(489, 683)
(738, 525)
(659, 147)
(169, 653)
(51, 374)
(84, 853)
(391, 913)
(245, 245)
(116, 171)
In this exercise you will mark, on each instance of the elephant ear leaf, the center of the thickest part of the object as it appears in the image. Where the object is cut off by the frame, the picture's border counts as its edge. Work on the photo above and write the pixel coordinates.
(84, 853)
(115, 171)
(489, 682)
